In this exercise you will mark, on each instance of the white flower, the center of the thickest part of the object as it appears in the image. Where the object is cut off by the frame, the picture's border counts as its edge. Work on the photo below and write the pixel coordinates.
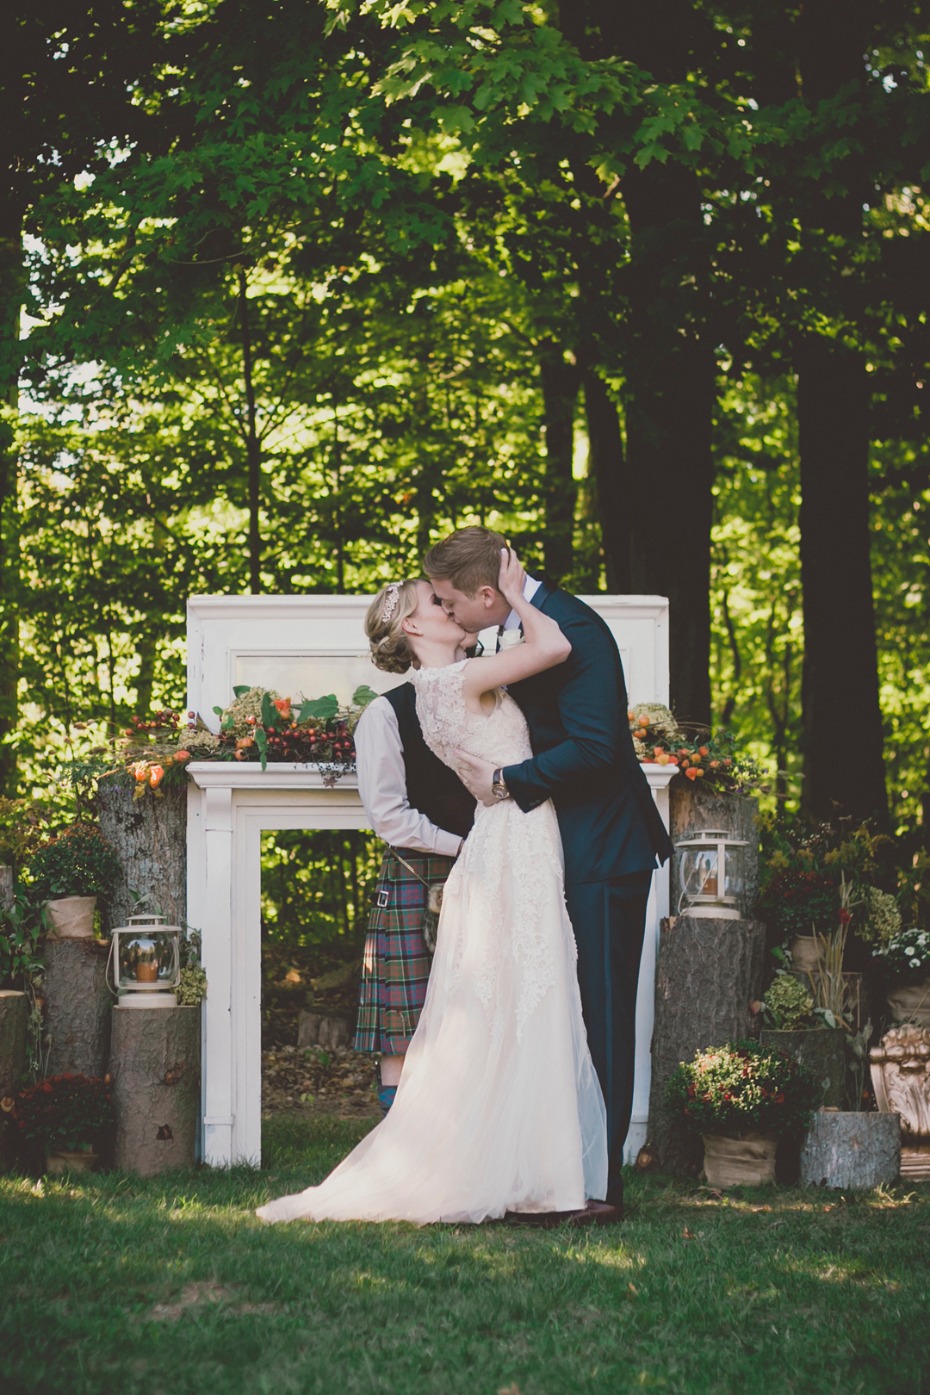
(509, 638)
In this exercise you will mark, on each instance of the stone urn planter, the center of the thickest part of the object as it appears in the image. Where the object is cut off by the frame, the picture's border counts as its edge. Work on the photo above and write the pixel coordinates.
(901, 1080)
(739, 1162)
(854, 1151)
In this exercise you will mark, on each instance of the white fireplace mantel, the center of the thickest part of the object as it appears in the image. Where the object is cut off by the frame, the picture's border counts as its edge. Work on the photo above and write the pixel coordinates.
(230, 806)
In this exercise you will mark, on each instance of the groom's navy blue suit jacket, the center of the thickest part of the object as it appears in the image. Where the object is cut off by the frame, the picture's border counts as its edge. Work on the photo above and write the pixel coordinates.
(583, 752)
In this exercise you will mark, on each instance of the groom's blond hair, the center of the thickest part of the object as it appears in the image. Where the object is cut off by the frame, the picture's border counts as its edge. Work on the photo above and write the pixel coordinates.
(469, 558)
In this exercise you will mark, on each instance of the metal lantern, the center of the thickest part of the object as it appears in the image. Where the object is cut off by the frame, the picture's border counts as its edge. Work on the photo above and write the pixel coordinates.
(711, 874)
(144, 967)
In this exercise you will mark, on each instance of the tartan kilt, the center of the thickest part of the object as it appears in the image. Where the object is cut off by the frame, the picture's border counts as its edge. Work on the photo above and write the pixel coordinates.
(396, 966)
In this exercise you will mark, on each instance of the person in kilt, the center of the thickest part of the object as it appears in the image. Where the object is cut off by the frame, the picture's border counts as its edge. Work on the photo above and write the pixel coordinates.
(423, 813)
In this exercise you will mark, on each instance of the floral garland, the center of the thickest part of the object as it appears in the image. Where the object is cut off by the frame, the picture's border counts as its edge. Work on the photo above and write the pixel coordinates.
(261, 725)
(258, 725)
(712, 757)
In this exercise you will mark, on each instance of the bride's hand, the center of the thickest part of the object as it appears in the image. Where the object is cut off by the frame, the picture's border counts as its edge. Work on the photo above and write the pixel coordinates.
(512, 577)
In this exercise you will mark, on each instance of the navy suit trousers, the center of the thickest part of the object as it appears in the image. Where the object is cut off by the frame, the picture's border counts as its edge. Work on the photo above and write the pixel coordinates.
(609, 920)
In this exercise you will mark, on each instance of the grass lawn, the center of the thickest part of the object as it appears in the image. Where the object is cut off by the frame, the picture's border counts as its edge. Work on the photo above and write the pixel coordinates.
(114, 1284)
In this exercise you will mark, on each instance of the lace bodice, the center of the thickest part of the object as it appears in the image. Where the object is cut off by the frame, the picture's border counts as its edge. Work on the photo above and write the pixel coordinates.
(500, 737)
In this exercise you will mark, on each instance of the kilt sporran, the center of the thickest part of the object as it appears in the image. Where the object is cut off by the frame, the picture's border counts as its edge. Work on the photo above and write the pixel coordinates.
(433, 908)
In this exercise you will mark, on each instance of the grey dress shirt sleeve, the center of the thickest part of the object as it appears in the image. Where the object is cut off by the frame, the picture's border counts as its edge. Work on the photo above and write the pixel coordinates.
(382, 784)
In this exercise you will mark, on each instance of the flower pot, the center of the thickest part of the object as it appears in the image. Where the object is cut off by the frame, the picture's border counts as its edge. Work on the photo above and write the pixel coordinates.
(911, 1003)
(853, 1150)
(739, 1162)
(62, 1161)
(71, 917)
(805, 953)
(822, 1050)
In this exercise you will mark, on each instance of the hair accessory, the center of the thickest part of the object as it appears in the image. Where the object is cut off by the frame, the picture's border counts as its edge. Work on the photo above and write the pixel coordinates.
(389, 604)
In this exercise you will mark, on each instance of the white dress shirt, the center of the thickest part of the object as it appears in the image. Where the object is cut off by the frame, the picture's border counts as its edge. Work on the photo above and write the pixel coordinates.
(530, 587)
(382, 784)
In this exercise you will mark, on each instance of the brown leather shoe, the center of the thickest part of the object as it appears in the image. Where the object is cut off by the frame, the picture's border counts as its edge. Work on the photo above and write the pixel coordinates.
(605, 1213)
(549, 1220)
(592, 1213)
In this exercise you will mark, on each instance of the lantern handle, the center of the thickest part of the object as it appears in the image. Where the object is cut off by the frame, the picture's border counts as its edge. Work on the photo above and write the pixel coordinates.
(113, 987)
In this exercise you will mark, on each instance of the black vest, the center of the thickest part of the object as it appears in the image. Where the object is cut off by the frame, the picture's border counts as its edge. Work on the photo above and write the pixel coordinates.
(432, 788)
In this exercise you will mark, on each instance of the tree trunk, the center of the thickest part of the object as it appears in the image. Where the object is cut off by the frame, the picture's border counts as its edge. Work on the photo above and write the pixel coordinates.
(13, 1015)
(559, 381)
(841, 711)
(855, 1151)
(840, 672)
(669, 391)
(708, 973)
(155, 1065)
(12, 294)
(6, 888)
(150, 838)
(14, 1011)
(607, 466)
(78, 1006)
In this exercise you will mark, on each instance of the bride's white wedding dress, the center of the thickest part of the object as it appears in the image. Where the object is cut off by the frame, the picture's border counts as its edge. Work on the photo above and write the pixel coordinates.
(498, 1108)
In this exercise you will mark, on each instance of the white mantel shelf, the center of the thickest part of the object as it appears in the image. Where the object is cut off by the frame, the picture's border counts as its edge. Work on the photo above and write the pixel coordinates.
(248, 775)
(292, 775)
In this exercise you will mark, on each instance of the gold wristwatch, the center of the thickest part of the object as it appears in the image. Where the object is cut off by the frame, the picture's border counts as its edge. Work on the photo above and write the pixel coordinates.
(499, 786)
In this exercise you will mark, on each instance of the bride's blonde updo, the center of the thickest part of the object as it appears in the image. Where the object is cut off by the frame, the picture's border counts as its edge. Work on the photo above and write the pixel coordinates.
(386, 614)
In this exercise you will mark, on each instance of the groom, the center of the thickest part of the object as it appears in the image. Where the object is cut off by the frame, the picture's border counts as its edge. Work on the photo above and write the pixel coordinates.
(584, 761)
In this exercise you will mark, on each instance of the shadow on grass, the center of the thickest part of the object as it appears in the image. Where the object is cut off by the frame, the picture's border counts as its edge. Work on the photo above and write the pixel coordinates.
(117, 1284)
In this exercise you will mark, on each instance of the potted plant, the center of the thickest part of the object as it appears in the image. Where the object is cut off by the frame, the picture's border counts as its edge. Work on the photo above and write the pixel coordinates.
(67, 1117)
(67, 873)
(741, 1098)
(192, 987)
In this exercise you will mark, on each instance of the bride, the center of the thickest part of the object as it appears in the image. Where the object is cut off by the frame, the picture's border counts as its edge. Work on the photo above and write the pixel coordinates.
(498, 1108)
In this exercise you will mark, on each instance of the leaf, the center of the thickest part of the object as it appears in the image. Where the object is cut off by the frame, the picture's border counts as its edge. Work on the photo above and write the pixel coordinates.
(269, 711)
(363, 695)
(261, 741)
(239, 691)
(322, 708)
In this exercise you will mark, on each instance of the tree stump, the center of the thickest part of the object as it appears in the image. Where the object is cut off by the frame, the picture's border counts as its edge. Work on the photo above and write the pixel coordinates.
(323, 1029)
(78, 1006)
(694, 807)
(851, 1150)
(150, 838)
(823, 1051)
(708, 973)
(13, 1015)
(155, 1065)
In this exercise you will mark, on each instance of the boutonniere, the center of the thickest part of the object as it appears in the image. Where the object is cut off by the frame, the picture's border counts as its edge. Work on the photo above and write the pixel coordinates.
(509, 638)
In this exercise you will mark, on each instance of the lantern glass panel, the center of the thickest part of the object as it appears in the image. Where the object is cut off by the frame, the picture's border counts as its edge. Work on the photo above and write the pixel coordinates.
(735, 887)
(148, 957)
(699, 873)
